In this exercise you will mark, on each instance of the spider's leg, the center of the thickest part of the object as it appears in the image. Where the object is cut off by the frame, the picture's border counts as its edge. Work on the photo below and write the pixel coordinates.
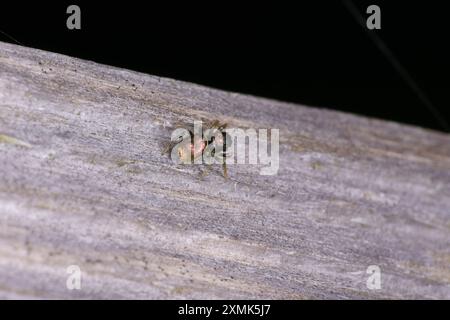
(212, 124)
(168, 147)
(207, 170)
(225, 171)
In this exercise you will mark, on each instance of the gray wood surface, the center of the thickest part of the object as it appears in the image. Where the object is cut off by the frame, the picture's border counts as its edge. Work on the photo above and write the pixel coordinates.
(83, 182)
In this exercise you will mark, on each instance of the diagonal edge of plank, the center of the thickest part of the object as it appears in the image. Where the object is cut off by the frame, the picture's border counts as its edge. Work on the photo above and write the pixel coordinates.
(359, 208)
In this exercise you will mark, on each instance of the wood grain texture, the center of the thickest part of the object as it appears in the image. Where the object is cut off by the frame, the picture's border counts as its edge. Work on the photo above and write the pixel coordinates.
(83, 182)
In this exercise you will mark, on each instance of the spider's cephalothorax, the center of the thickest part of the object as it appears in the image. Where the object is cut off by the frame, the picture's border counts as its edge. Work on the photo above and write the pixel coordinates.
(208, 143)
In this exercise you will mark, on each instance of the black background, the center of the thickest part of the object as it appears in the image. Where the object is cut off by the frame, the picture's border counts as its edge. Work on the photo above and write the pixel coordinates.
(168, 309)
(313, 52)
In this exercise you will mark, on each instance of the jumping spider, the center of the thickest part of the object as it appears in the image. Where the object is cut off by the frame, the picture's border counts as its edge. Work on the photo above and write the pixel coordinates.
(203, 144)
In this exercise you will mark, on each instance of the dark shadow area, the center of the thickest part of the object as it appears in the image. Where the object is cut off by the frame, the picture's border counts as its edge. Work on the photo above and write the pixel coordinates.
(313, 53)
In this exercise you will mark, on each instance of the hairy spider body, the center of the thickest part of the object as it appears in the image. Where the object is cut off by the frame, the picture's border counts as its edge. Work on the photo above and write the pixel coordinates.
(202, 144)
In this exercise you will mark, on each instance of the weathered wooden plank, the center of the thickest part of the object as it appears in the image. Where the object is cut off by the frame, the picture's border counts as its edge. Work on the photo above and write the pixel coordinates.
(83, 182)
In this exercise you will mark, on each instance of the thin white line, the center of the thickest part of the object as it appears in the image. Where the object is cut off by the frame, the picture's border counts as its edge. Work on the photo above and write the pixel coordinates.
(8, 36)
(397, 66)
